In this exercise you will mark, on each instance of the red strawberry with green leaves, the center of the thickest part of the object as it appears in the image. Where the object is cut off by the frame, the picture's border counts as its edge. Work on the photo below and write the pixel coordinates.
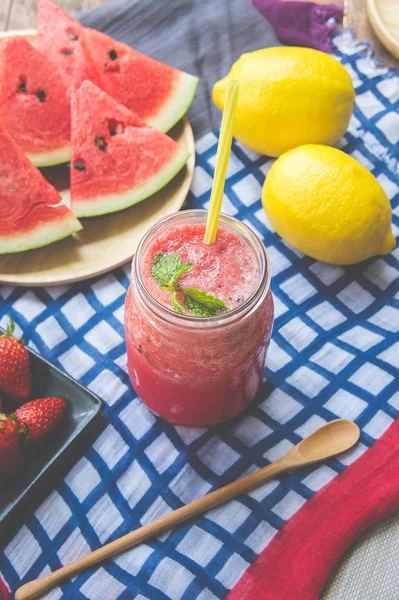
(11, 455)
(41, 416)
(15, 378)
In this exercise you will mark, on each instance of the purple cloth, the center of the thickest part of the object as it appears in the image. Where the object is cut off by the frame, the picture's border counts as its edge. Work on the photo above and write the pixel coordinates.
(302, 23)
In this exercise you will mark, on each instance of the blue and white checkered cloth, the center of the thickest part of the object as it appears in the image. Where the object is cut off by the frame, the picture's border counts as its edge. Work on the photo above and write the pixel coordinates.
(334, 353)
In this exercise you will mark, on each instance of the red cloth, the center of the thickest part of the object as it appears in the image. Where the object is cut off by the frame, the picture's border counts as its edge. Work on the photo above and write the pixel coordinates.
(4, 593)
(298, 561)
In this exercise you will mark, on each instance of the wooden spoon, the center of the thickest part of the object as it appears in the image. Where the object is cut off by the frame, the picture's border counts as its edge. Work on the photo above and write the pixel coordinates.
(331, 439)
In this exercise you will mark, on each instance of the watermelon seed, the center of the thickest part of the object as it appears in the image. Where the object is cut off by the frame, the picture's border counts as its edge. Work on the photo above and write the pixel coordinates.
(72, 36)
(113, 55)
(114, 127)
(41, 95)
(22, 86)
(101, 144)
(80, 166)
(67, 52)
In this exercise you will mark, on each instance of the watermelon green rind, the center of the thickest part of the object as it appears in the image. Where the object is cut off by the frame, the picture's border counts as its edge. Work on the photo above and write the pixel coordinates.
(157, 93)
(42, 235)
(102, 205)
(32, 213)
(50, 158)
(39, 125)
(178, 103)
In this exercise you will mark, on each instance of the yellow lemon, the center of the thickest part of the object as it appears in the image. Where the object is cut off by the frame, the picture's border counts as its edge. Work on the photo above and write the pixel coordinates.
(288, 97)
(326, 204)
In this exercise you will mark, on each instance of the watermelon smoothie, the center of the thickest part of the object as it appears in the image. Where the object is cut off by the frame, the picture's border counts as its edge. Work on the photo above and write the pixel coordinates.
(188, 369)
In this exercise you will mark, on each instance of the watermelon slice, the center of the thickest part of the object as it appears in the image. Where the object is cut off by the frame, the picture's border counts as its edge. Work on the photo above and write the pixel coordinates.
(34, 107)
(117, 160)
(156, 92)
(58, 41)
(32, 213)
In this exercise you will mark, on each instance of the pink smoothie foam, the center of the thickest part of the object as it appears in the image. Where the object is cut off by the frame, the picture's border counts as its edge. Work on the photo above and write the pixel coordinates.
(226, 269)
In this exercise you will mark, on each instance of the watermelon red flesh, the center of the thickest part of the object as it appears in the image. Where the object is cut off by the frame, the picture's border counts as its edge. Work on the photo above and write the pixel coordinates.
(31, 210)
(58, 38)
(117, 160)
(156, 92)
(34, 107)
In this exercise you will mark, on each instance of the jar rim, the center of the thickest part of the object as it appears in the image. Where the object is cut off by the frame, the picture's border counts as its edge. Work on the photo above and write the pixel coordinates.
(168, 314)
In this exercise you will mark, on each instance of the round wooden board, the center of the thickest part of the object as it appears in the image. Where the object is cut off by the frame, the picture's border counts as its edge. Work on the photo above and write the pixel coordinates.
(384, 18)
(105, 242)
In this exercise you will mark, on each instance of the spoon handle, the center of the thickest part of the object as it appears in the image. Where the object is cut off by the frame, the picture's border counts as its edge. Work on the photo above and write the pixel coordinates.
(159, 526)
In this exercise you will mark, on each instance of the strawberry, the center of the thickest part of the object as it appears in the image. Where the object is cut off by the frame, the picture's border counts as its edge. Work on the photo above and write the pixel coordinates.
(41, 416)
(15, 379)
(11, 456)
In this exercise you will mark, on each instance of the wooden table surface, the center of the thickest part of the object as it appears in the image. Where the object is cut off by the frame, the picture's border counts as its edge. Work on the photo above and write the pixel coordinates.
(21, 14)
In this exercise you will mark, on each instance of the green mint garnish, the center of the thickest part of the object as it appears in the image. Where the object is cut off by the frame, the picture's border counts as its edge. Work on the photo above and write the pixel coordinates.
(176, 305)
(167, 270)
(201, 303)
(184, 267)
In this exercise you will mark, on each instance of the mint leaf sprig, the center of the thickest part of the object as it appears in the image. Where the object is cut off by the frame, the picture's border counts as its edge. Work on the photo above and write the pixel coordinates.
(167, 270)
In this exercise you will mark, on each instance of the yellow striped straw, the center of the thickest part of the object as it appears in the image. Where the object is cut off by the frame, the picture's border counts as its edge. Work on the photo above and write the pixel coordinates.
(222, 160)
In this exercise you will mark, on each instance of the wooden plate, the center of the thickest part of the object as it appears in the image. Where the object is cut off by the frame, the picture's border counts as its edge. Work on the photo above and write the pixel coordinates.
(105, 242)
(384, 19)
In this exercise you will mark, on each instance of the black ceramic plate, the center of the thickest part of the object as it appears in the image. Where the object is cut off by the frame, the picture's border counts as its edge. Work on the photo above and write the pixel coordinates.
(82, 409)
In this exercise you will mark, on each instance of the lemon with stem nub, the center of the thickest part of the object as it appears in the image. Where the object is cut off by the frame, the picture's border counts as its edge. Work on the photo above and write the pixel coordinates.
(288, 97)
(327, 205)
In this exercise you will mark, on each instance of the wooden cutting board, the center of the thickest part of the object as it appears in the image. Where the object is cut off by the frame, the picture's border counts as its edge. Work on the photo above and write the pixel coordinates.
(105, 242)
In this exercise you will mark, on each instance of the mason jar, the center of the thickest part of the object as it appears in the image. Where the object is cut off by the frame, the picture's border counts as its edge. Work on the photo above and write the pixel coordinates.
(190, 370)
